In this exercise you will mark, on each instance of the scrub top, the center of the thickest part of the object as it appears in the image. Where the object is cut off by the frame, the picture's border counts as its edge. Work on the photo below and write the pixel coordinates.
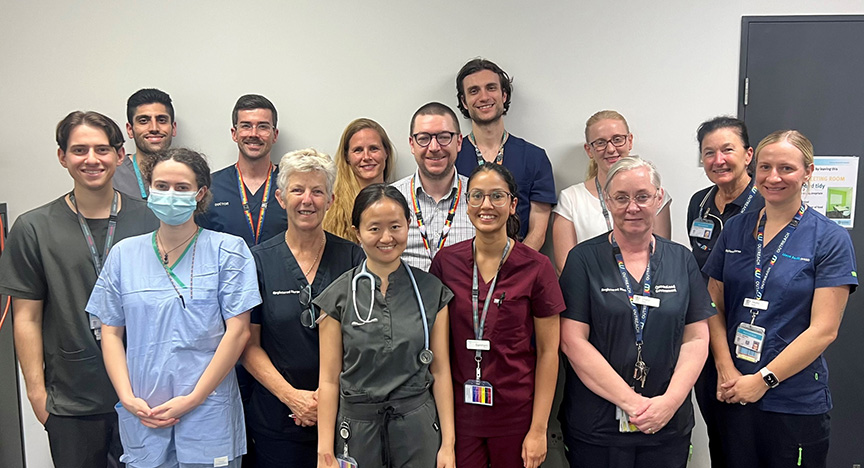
(595, 294)
(226, 214)
(528, 283)
(380, 360)
(291, 347)
(168, 346)
(529, 165)
(702, 247)
(818, 254)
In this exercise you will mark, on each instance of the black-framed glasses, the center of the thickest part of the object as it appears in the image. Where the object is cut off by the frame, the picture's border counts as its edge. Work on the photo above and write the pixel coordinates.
(424, 139)
(600, 143)
(307, 315)
(623, 201)
(263, 128)
(498, 198)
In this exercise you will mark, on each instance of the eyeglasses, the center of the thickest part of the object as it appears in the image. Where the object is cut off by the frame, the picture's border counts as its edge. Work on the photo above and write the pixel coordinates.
(623, 201)
(617, 141)
(263, 128)
(424, 139)
(307, 315)
(498, 198)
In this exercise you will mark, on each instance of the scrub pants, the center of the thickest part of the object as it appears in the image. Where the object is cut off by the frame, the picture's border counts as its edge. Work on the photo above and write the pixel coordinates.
(712, 411)
(482, 452)
(84, 441)
(671, 454)
(753, 437)
(395, 433)
(278, 453)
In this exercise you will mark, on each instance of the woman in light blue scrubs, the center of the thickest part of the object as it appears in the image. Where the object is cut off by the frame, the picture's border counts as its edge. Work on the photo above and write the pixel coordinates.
(181, 296)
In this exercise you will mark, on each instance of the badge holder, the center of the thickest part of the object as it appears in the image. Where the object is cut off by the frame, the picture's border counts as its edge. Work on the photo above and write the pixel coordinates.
(478, 392)
(96, 326)
(345, 460)
(624, 424)
(749, 337)
(702, 228)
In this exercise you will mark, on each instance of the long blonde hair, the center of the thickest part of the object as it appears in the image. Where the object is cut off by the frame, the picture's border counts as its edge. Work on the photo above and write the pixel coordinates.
(597, 117)
(338, 218)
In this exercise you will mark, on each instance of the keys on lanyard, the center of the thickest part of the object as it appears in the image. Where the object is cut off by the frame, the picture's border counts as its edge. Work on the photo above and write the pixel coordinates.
(477, 391)
(640, 369)
(606, 216)
(95, 323)
(499, 158)
(255, 229)
(749, 337)
(451, 213)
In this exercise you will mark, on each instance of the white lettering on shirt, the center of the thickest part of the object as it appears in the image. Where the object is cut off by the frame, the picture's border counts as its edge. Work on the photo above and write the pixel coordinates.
(613, 290)
(282, 293)
(730, 251)
(221, 203)
(665, 288)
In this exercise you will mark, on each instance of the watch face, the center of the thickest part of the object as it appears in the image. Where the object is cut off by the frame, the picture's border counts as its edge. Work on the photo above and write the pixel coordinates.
(771, 380)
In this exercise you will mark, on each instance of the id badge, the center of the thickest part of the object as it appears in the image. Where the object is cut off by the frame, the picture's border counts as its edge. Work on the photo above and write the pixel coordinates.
(646, 300)
(702, 228)
(345, 461)
(478, 345)
(478, 392)
(624, 424)
(748, 342)
(96, 326)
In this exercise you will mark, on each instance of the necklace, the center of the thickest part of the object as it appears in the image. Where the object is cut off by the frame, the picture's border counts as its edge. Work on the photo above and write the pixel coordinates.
(318, 255)
(165, 255)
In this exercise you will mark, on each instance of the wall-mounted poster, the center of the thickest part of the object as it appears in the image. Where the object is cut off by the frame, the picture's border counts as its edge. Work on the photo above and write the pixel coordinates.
(833, 187)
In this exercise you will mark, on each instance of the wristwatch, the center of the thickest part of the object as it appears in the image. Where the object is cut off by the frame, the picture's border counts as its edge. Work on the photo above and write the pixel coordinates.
(769, 378)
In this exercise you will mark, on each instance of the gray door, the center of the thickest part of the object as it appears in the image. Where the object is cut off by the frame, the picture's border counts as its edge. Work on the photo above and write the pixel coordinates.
(807, 73)
(11, 446)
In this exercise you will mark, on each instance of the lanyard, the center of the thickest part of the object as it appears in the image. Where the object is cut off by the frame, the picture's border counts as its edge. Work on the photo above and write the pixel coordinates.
(172, 277)
(603, 204)
(91, 243)
(639, 318)
(256, 232)
(138, 176)
(480, 322)
(713, 191)
(451, 213)
(760, 278)
(499, 158)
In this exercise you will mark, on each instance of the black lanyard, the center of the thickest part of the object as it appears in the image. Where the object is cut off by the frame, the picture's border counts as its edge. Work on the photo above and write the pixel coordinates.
(760, 278)
(88, 236)
(603, 204)
(480, 322)
(706, 211)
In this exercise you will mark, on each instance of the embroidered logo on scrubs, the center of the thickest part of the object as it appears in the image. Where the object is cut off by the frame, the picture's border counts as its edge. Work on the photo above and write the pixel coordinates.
(793, 257)
(221, 203)
(732, 251)
(665, 288)
(282, 293)
(613, 290)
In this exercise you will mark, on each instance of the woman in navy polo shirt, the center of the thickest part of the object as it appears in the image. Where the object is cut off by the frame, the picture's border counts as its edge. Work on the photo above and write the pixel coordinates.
(780, 278)
(634, 333)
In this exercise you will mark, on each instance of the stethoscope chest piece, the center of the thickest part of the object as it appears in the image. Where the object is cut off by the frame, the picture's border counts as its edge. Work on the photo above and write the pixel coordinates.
(426, 356)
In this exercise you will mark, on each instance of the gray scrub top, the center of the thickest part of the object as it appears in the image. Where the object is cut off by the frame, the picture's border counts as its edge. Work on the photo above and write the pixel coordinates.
(380, 360)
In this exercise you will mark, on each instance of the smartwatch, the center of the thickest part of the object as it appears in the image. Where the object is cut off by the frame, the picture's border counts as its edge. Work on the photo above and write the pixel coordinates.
(769, 378)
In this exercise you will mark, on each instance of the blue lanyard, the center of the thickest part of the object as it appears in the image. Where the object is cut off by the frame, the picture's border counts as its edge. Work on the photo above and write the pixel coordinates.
(753, 191)
(139, 177)
(639, 318)
(480, 322)
(760, 278)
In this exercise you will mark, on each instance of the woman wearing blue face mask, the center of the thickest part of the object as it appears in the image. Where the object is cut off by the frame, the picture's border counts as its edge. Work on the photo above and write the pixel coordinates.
(181, 295)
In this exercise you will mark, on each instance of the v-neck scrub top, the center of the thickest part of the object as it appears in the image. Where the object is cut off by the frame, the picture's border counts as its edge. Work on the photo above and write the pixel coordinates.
(291, 347)
(528, 282)
(595, 294)
(818, 254)
(380, 360)
(169, 346)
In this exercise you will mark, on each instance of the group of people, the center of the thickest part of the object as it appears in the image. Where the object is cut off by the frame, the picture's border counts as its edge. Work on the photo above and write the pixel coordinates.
(356, 323)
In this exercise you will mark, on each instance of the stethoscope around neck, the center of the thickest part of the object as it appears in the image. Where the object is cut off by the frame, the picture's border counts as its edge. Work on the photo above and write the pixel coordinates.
(425, 355)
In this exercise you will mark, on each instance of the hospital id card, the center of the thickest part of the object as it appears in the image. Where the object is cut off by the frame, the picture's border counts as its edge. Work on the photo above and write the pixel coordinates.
(702, 228)
(478, 392)
(345, 461)
(624, 424)
(748, 342)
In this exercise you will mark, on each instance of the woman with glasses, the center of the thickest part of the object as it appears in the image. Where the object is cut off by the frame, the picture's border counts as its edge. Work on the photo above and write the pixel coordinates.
(725, 150)
(781, 278)
(180, 295)
(504, 322)
(635, 334)
(581, 212)
(385, 398)
(365, 156)
(283, 351)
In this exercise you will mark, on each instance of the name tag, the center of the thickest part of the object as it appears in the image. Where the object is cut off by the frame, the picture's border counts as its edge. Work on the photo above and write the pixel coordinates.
(646, 300)
(755, 304)
(477, 345)
(702, 228)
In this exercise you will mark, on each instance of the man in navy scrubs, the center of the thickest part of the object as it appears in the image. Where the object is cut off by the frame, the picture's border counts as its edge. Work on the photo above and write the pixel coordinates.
(484, 91)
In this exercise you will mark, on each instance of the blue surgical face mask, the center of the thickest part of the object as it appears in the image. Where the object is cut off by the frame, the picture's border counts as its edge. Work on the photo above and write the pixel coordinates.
(172, 207)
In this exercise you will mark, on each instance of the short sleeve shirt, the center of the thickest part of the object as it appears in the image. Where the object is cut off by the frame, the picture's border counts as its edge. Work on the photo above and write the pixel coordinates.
(226, 214)
(818, 254)
(291, 347)
(47, 259)
(595, 294)
(380, 359)
(528, 284)
(529, 165)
